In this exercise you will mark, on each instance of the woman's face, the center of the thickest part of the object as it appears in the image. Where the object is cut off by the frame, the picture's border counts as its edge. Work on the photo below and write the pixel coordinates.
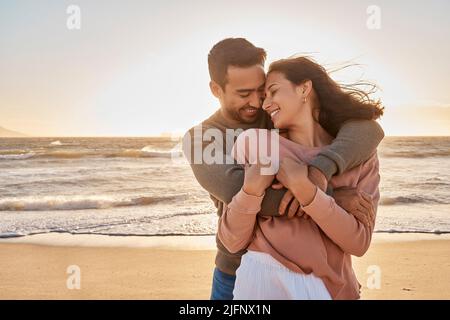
(283, 100)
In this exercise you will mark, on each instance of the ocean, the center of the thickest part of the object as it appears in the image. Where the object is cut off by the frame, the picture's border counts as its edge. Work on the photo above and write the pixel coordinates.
(144, 186)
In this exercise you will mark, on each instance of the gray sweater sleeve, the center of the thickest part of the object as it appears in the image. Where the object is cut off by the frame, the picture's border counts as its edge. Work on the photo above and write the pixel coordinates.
(223, 181)
(355, 142)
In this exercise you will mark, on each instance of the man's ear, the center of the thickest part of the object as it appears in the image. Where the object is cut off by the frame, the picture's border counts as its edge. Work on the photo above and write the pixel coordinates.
(215, 89)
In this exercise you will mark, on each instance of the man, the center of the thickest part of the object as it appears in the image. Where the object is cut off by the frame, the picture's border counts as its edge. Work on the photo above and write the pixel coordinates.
(236, 69)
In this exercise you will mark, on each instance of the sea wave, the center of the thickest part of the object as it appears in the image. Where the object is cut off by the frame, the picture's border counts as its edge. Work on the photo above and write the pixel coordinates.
(414, 154)
(56, 143)
(150, 153)
(127, 153)
(389, 201)
(80, 202)
(146, 152)
(432, 231)
(19, 156)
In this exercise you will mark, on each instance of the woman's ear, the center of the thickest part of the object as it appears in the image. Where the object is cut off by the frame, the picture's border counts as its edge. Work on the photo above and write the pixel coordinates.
(215, 89)
(306, 88)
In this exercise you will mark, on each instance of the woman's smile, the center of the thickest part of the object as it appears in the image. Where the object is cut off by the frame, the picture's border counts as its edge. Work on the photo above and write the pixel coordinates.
(274, 112)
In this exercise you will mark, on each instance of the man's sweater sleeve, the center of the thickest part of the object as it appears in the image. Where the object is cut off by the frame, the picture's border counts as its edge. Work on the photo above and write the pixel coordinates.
(355, 143)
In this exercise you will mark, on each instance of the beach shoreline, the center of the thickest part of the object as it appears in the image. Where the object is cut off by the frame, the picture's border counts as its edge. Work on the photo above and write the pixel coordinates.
(175, 242)
(410, 266)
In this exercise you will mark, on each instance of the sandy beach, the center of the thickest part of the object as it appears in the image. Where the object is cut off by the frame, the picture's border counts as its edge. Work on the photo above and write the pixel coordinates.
(413, 266)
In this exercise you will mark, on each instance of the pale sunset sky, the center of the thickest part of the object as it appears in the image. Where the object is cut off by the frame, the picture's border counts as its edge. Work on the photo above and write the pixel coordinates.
(139, 68)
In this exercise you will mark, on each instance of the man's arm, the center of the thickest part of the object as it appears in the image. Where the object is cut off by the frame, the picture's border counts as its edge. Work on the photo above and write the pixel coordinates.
(355, 143)
(224, 181)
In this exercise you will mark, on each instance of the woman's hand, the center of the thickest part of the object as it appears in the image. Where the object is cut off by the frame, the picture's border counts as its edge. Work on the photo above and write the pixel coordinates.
(294, 176)
(256, 183)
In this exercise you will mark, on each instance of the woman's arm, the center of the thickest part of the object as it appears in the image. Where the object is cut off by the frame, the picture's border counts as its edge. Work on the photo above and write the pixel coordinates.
(351, 235)
(237, 223)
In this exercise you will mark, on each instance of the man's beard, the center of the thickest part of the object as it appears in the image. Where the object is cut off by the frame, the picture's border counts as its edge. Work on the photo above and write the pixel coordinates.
(241, 115)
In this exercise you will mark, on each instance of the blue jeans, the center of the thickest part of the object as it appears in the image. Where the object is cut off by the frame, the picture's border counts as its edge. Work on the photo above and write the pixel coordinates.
(222, 285)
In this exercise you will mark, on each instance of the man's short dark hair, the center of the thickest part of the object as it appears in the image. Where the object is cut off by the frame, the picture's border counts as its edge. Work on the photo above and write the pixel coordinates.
(236, 52)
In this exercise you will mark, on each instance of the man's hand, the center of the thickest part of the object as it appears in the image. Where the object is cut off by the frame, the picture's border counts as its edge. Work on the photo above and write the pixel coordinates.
(288, 198)
(357, 203)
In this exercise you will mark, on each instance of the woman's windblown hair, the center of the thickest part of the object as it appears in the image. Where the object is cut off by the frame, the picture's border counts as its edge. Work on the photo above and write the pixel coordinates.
(337, 103)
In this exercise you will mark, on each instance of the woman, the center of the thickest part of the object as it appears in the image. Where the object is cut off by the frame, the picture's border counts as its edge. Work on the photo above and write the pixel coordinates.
(301, 258)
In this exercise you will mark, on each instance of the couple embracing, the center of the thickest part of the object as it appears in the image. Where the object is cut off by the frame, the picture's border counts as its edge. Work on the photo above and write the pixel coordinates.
(288, 234)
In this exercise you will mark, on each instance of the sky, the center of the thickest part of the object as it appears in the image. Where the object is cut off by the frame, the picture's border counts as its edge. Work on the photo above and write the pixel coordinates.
(139, 68)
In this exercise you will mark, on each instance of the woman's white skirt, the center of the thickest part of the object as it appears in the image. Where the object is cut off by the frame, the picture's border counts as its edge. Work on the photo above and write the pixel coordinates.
(262, 277)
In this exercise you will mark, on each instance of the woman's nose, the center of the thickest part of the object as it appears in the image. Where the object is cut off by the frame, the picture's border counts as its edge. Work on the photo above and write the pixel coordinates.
(266, 104)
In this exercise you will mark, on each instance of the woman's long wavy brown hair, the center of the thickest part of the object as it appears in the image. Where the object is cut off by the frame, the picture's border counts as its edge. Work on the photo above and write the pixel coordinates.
(337, 103)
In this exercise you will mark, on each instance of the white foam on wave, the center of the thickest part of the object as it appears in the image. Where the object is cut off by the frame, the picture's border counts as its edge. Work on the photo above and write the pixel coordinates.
(149, 151)
(146, 152)
(77, 202)
(20, 156)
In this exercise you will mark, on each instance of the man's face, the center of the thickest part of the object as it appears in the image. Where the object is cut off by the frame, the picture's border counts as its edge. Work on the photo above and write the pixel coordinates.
(244, 92)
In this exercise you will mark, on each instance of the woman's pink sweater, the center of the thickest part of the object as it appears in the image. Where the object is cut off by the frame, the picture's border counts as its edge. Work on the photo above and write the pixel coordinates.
(323, 244)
